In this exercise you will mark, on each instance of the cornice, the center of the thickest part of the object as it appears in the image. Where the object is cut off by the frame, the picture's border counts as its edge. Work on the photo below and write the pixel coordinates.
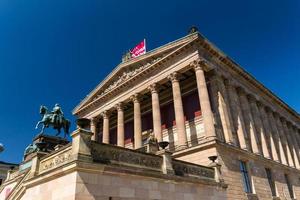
(152, 53)
(216, 55)
(141, 73)
(224, 60)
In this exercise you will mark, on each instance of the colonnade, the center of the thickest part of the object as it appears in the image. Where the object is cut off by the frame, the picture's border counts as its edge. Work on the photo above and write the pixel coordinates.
(198, 66)
(255, 126)
(246, 121)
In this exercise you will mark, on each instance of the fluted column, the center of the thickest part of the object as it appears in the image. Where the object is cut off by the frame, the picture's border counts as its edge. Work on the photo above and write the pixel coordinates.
(249, 122)
(281, 153)
(105, 138)
(284, 141)
(237, 116)
(290, 144)
(178, 108)
(94, 130)
(224, 111)
(295, 144)
(206, 111)
(156, 112)
(259, 127)
(297, 137)
(137, 121)
(120, 125)
(268, 133)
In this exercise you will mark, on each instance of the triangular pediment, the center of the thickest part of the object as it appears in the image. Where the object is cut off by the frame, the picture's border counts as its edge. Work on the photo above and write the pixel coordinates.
(128, 69)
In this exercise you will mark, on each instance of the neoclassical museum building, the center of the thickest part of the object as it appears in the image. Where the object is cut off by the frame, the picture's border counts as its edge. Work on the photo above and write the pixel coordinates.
(192, 95)
(181, 122)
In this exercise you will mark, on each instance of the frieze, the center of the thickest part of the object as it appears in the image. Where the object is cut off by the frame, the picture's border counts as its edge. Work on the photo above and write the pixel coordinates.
(56, 161)
(184, 169)
(127, 75)
(113, 155)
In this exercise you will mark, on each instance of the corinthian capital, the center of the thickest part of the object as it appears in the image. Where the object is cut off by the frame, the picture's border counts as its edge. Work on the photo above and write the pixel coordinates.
(105, 114)
(199, 64)
(153, 88)
(174, 77)
(119, 106)
(135, 98)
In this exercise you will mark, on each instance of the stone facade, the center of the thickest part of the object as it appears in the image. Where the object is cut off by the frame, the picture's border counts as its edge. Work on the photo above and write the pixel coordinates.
(4, 168)
(87, 170)
(190, 94)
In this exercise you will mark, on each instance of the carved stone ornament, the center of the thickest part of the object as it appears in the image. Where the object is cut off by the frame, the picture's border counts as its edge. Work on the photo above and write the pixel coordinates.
(56, 161)
(127, 75)
(173, 77)
(108, 154)
(135, 98)
(185, 169)
(153, 88)
(199, 64)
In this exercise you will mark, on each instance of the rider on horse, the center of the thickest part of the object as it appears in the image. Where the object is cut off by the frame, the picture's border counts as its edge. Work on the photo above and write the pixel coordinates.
(58, 114)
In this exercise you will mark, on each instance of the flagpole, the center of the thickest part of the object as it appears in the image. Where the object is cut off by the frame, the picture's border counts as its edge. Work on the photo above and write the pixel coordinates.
(145, 45)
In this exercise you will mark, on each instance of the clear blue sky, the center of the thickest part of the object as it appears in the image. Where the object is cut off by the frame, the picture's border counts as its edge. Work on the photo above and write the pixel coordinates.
(58, 51)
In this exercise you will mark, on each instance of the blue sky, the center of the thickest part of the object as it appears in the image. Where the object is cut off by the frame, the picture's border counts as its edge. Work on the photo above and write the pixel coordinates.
(58, 51)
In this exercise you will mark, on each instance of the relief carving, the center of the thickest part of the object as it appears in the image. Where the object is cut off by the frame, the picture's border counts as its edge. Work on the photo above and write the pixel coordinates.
(127, 75)
(183, 169)
(56, 161)
(107, 154)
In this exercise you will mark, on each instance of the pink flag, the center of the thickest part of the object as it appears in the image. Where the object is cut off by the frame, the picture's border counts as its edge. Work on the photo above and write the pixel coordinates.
(139, 49)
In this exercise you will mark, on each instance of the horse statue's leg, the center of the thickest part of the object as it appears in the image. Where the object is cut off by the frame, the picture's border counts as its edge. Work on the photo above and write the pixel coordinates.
(37, 125)
(43, 129)
(58, 131)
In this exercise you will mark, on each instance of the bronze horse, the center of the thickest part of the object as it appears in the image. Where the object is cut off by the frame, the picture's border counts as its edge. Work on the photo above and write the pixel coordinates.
(47, 121)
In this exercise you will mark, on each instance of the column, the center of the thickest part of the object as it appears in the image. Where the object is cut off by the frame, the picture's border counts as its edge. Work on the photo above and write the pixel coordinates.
(284, 141)
(137, 121)
(297, 137)
(156, 112)
(268, 133)
(94, 130)
(259, 127)
(224, 109)
(279, 140)
(105, 137)
(249, 123)
(120, 125)
(237, 116)
(295, 145)
(205, 106)
(290, 144)
(178, 108)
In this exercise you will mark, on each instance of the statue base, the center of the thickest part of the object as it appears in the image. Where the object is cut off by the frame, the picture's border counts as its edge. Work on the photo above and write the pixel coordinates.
(44, 144)
(50, 141)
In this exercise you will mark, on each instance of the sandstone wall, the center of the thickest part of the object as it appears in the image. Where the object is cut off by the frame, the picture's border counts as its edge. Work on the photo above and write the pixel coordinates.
(128, 187)
(230, 157)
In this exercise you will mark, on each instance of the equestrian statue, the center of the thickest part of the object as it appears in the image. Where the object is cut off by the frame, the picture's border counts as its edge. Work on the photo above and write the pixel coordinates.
(55, 118)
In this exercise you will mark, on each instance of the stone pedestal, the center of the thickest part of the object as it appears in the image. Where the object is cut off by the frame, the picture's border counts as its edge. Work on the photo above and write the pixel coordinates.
(81, 144)
(167, 167)
(49, 143)
(52, 141)
(217, 168)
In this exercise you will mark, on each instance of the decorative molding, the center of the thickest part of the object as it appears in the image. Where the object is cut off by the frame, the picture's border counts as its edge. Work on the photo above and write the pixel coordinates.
(153, 88)
(55, 161)
(126, 76)
(135, 98)
(119, 106)
(187, 169)
(105, 114)
(120, 156)
(174, 77)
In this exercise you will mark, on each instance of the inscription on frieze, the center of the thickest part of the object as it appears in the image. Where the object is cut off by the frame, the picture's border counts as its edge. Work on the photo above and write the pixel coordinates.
(112, 155)
(56, 161)
(185, 169)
